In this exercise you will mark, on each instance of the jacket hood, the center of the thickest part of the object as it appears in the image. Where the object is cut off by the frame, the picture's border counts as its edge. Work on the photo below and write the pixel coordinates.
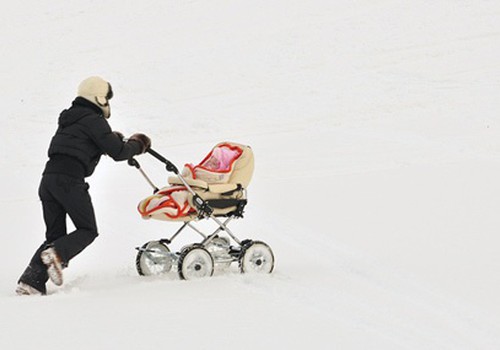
(79, 109)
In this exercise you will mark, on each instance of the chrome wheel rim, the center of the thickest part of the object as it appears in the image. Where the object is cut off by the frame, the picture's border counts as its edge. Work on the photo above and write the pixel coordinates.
(155, 259)
(257, 258)
(197, 263)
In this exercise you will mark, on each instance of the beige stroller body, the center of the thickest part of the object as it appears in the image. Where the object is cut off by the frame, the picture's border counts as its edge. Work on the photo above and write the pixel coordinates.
(216, 190)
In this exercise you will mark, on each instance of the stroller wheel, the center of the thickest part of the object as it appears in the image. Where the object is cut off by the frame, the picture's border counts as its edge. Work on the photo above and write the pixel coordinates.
(195, 262)
(219, 249)
(153, 258)
(256, 257)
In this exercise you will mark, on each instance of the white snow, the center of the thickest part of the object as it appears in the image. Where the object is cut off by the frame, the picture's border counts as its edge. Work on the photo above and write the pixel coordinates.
(376, 133)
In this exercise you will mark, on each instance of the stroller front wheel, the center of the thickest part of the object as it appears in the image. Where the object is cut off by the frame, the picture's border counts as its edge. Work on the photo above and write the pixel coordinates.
(154, 258)
(195, 262)
(256, 257)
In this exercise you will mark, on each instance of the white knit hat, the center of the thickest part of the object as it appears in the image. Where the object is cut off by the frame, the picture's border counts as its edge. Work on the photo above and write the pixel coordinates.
(98, 91)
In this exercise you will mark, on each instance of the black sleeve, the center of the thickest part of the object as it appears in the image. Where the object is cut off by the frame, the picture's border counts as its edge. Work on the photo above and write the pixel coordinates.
(111, 144)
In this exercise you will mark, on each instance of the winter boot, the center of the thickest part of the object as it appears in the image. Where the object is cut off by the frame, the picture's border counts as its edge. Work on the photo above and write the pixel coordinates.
(26, 289)
(54, 265)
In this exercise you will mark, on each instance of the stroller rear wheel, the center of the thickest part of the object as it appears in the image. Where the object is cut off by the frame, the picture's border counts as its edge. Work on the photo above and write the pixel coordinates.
(153, 258)
(195, 262)
(219, 249)
(256, 257)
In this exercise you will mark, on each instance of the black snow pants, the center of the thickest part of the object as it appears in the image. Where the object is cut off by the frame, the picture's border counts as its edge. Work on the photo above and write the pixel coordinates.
(62, 195)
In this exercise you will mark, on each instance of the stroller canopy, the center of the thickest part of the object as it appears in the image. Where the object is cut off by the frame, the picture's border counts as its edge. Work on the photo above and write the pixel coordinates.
(227, 163)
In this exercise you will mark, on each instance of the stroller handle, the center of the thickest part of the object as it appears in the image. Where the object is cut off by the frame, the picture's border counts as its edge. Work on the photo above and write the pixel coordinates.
(170, 166)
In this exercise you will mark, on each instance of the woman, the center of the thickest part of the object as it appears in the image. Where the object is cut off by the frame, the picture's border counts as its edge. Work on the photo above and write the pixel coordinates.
(82, 137)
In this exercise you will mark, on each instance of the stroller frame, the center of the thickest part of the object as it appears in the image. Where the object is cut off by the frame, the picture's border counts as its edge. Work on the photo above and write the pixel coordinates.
(206, 238)
(199, 259)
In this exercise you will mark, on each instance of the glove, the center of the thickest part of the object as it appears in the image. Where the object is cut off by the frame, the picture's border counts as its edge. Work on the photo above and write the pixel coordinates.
(143, 140)
(119, 134)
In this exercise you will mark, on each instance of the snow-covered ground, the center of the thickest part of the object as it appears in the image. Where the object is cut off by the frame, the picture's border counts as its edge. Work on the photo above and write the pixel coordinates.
(376, 134)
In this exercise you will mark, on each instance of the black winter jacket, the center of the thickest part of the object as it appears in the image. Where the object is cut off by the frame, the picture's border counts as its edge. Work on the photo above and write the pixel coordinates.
(82, 137)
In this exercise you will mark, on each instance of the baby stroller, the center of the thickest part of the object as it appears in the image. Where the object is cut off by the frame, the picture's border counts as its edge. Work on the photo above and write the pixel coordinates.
(215, 189)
